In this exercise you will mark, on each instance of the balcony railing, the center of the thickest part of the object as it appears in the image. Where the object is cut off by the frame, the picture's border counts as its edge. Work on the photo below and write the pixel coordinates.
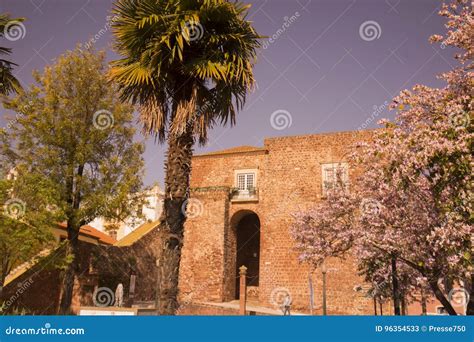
(239, 195)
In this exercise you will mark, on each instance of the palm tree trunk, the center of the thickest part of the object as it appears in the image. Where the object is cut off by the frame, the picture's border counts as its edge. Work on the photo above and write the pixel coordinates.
(178, 170)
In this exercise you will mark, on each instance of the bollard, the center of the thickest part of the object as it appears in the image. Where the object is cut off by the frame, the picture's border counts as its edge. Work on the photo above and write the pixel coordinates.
(243, 290)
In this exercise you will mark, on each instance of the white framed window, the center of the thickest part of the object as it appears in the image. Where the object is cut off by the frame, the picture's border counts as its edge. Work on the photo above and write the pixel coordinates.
(245, 185)
(332, 173)
(245, 180)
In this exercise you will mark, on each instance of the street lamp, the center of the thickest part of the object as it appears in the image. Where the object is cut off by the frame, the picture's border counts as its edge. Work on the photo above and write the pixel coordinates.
(324, 271)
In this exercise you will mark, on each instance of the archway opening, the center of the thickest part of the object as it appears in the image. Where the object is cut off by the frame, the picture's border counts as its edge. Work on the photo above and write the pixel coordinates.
(248, 249)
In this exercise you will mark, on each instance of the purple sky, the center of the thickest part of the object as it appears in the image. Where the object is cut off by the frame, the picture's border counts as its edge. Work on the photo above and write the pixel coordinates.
(319, 73)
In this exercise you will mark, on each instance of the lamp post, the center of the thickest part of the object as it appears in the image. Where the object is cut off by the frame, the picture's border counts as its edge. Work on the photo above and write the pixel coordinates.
(324, 271)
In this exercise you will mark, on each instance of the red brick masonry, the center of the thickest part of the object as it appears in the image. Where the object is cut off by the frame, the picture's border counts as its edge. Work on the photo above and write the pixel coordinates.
(289, 178)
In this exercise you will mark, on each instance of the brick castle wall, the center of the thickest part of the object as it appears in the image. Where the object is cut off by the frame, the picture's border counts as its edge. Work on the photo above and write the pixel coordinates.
(288, 179)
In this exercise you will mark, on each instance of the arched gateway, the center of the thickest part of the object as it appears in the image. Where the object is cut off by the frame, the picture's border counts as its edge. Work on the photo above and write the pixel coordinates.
(246, 230)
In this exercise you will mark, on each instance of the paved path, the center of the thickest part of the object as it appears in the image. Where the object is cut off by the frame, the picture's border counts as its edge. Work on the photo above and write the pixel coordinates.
(255, 307)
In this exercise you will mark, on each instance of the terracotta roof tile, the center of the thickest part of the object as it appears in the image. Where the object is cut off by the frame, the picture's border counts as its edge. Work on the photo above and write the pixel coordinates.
(94, 233)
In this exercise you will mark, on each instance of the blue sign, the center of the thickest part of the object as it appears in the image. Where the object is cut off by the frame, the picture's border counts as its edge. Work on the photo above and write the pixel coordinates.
(237, 328)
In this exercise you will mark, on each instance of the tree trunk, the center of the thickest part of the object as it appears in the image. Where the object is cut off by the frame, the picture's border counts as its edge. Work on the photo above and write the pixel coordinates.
(73, 228)
(442, 298)
(395, 292)
(6, 269)
(178, 170)
(404, 305)
(2, 281)
(470, 304)
(69, 276)
(423, 302)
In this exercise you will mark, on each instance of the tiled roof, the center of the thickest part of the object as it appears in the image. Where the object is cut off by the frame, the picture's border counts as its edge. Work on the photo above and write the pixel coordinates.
(94, 233)
(137, 234)
(238, 149)
(85, 231)
(20, 269)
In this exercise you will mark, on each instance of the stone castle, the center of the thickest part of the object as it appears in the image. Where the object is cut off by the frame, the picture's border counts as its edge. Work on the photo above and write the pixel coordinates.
(239, 214)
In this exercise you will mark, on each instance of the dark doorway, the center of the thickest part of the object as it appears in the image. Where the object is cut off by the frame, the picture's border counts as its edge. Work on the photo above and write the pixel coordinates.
(248, 248)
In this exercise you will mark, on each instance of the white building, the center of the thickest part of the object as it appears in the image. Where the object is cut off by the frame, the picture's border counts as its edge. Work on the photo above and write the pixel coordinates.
(151, 211)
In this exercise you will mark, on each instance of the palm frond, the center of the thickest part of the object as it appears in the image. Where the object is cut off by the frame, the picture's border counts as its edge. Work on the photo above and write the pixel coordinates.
(8, 82)
(186, 63)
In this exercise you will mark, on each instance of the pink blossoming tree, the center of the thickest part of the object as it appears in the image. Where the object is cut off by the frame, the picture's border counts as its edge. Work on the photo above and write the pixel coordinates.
(413, 202)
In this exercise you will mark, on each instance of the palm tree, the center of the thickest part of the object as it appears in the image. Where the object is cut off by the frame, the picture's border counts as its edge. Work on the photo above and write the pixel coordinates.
(188, 64)
(8, 82)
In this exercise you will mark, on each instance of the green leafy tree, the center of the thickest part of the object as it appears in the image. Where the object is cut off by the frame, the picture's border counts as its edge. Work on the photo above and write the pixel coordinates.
(25, 218)
(8, 82)
(73, 132)
(188, 65)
